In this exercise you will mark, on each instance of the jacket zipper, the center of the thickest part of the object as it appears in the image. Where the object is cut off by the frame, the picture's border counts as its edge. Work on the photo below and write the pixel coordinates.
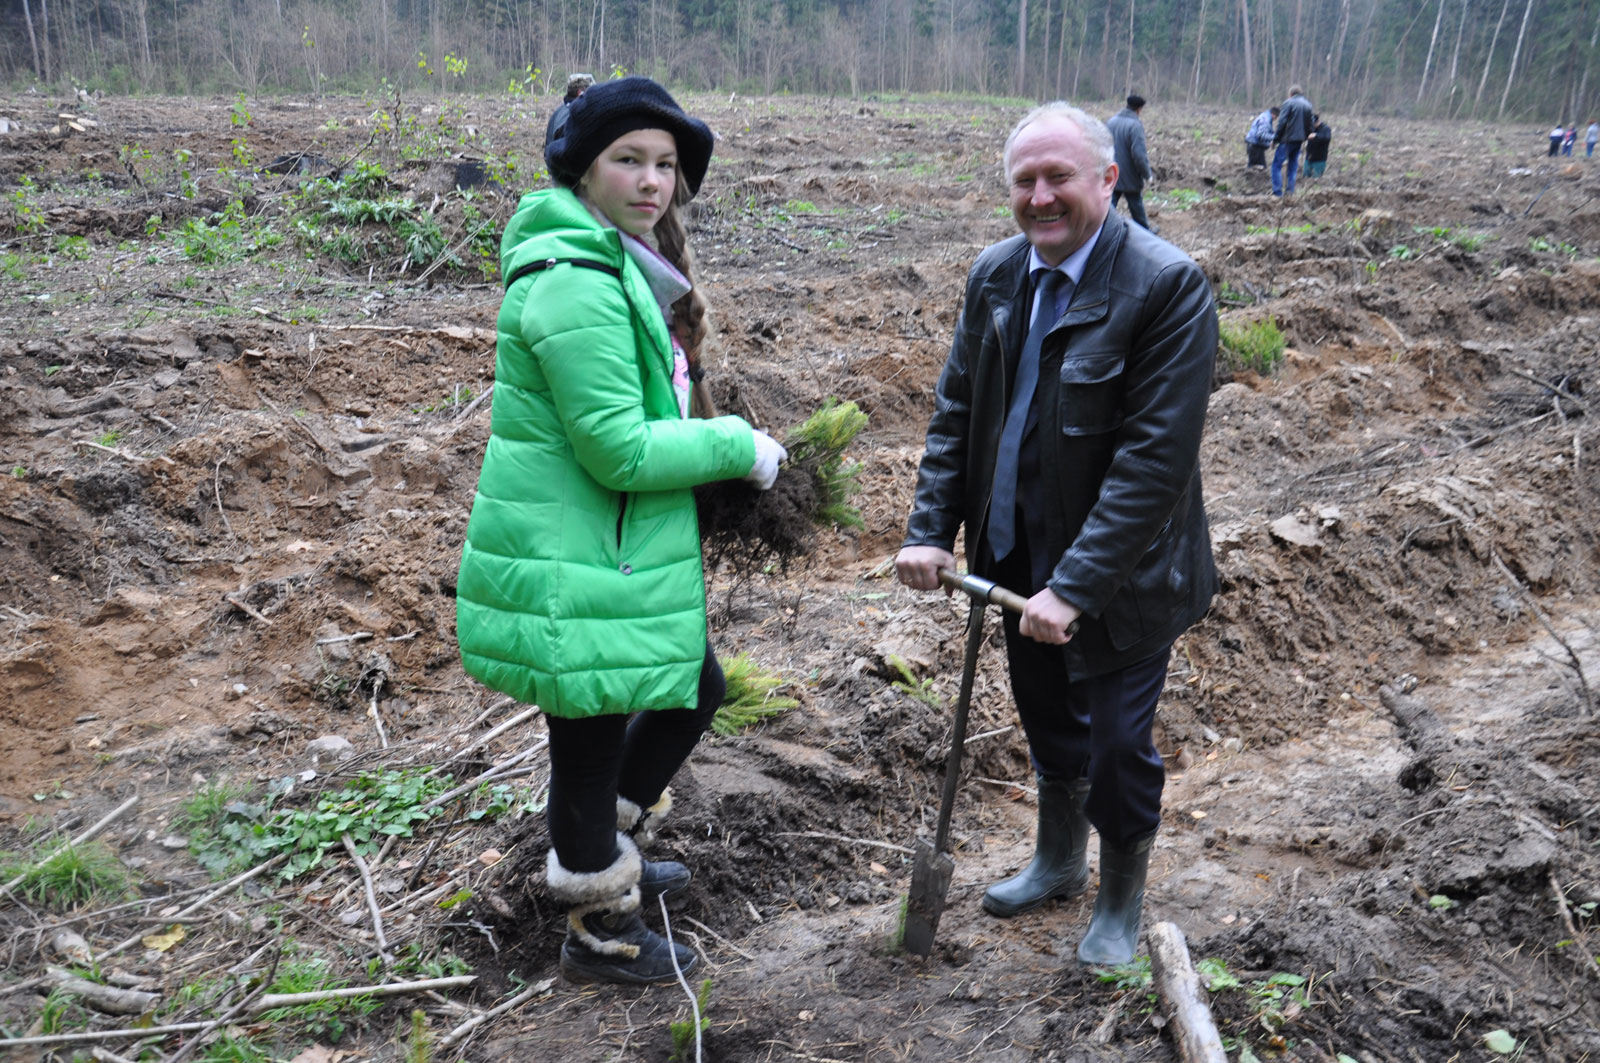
(622, 511)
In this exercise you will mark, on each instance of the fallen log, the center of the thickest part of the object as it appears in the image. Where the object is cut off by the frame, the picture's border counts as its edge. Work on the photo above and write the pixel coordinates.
(1183, 1000)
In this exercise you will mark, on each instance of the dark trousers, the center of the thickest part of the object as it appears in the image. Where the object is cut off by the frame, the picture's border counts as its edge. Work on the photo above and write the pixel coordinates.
(1255, 154)
(1099, 726)
(1135, 206)
(596, 759)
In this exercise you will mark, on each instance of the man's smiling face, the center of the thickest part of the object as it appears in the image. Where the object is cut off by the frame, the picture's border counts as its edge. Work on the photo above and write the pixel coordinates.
(1059, 194)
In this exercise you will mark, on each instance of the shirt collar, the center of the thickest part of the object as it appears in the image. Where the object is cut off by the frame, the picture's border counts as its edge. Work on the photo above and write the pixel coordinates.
(1073, 264)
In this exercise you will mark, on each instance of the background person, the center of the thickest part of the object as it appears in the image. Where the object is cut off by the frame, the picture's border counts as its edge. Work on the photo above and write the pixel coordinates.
(1259, 138)
(581, 588)
(1591, 137)
(577, 85)
(1066, 439)
(1133, 162)
(1294, 126)
(1317, 146)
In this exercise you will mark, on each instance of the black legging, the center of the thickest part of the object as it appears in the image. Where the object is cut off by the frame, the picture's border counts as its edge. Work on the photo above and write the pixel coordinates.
(596, 759)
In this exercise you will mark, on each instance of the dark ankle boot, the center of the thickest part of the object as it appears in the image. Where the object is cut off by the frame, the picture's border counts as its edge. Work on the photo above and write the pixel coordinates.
(1113, 934)
(1060, 866)
(609, 946)
(662, 878)
(606, 939)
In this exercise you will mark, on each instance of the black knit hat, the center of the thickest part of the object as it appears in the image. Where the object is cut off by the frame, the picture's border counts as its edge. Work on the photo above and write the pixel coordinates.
(612, 108)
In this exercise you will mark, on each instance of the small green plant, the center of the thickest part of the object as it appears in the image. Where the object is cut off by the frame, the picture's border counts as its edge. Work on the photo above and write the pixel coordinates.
(322, 1018)
(1255, 345)
(27, 215)
(1540, 243)
(921, 689)
(1402, 252)
(1180, 198)
(12, 265)
(19, 471)
(685, 1032)
(205, 809)
(752, 696)
(235, 1048)
(416, 962)
(109, 439)
(820, 441)
(502, 799)
(1216, 975)
(75, 875)
(1440, 903)
(419, 1040)
(800, 206)
(370, 808)
(1133, 978)
(61, 1013)
(73, 247)
(1227, 293)
(1470, 241)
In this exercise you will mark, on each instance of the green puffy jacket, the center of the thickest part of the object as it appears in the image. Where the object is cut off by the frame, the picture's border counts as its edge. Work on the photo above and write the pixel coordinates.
(581, 588)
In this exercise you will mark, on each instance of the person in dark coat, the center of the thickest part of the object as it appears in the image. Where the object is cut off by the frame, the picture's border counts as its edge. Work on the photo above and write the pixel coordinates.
(577, 85)
(1133, 162)
(1295, 119)
(1317, 146)
(1066, 441)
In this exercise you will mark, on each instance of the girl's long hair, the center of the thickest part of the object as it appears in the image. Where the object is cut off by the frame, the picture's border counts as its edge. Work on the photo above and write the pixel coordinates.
(689, 312)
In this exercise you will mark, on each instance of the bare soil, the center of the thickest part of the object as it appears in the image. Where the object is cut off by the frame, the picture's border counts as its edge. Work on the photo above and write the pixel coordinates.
(1382, 742)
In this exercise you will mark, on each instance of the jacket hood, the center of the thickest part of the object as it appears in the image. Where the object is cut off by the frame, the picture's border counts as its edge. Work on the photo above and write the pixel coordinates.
(554, 223)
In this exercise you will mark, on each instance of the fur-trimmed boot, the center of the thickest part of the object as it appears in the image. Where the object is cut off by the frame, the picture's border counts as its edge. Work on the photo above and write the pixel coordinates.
(658, 878)
(1060, 866)
(606, 939)
(1113, 934)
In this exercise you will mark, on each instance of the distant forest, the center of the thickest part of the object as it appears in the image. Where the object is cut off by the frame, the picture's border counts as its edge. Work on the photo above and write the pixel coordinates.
(1525, 59)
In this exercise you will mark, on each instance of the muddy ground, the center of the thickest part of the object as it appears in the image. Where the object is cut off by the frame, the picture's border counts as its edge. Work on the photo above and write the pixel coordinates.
(1382, 742)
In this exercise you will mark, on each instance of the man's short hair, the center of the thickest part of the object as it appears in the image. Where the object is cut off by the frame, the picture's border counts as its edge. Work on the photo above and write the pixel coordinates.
(1094, 131)
(577, 84)
(1276, 109)
(1135, 102)
(1294, 90)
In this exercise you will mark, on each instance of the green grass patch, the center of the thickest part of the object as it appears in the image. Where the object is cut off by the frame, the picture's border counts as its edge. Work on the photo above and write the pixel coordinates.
(325, 1019)
(74, 876)
(1254, 345)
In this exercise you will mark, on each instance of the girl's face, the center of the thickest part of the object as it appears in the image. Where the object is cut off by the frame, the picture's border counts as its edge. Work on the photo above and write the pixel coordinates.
(631, 182)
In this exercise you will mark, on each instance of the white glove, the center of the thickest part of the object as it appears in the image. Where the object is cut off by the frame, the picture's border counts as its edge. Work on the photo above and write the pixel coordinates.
(769, 452)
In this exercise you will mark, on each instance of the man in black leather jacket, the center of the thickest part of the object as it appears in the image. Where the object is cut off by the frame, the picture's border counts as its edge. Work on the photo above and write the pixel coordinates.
(1108, 527)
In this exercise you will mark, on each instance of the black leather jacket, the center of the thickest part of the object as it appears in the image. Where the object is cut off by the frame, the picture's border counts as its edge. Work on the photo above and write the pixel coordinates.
(1124, 381)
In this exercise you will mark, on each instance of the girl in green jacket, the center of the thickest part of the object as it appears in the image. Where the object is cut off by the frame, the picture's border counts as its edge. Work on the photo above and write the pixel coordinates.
(581, 587)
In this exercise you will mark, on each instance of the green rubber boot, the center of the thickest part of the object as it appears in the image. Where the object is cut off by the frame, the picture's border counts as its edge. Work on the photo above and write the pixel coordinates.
(1113, 933)
(1060, 866)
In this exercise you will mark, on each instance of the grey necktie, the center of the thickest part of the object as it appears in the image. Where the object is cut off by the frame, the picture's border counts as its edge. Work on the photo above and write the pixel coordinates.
(1003, 501)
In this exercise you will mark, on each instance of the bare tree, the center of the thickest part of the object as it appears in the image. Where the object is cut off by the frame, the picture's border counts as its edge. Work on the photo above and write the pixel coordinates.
(1249, 52)
(27, 14)
(1022, 45)
(1432, 42)
(1489, 57)
(1516, 53)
